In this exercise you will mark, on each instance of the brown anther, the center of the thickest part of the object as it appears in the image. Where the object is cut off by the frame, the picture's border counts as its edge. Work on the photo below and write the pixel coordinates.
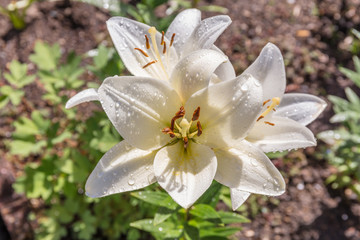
(186, 142)
(164, 49)
(162, 37)
(274, 109)
(172, 39)
(147, 42)
(199, 128)
(178, 114)
(196, 114)
(259, 118)
(152, 62)
(265, 102)
(269, 123)
(142, 51)
(168, 131)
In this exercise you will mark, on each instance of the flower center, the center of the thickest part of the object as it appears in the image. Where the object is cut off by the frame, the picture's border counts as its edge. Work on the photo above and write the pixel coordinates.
(275, 101)
(185, 130)
(157, 57)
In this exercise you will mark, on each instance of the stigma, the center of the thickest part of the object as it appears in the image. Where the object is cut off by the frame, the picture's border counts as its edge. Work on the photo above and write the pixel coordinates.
(275, 101)
(183, 129)
(155, 56)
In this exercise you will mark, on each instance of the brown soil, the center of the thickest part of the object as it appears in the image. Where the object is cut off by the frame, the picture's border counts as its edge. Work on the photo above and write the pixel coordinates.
(313, 37)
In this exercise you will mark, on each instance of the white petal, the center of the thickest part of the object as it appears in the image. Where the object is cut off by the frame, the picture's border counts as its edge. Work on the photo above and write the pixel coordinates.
(123, 168)
(238, 197)
(303, 108)
(128, 35)
(227, 110)
(226, 70)
(248, 169)
(286, 134)
(269, 69)
(140, 108)
(193, 72)
(183, 25)
(81, 97)
(185, 175)
(206, 33)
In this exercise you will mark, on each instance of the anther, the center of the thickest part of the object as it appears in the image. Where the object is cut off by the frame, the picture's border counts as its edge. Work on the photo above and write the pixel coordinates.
(196, 114)
(178, 114)
(269, 123)
(147, 42)
(199, 128)
(172, 39)
(162, 37)
(168, 131)
(142, 51)
(152, 62)
(259, 118)
(164, 49)
(265, 102)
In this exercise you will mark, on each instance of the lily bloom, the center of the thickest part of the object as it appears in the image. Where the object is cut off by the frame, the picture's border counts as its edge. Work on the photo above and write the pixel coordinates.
(180, 136)
(149, 53)
(281, 126)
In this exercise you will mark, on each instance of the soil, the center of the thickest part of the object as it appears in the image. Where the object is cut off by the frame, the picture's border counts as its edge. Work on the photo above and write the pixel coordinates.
(314, 38)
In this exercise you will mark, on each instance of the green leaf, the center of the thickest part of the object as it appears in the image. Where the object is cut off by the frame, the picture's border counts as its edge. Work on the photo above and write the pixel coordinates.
(3, 101)
(25, 148)
(219, 232)
(211, 195)
(18, 74)
(162, 214)
(353, 98)
(231, 217)
(204, 211)
(160, 199)
(101, 59)
(191, 232)
(46, 57)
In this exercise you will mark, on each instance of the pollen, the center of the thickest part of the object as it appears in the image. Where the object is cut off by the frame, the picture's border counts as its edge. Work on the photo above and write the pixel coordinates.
(183, 129)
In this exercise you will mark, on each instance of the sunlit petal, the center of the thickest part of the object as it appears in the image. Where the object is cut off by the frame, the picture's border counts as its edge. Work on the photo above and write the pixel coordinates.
(286, 134)
(193, 72)
(139, 108)
(123, 168)
(269, 69)
(206, 33)
(185, 175)
(183, 25)
(82, 97)
(238, 197)
(303, 108)
(228, 110)
(248, 169)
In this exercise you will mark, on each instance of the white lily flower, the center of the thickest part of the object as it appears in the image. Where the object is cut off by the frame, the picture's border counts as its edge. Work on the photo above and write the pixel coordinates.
(281, 126)
(182, 134)
(149, 53)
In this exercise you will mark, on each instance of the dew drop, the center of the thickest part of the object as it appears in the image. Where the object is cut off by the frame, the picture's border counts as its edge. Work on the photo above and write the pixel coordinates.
(131, 181)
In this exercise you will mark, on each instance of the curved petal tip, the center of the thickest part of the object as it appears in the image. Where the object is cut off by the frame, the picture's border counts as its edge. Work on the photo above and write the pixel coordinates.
(81, 97)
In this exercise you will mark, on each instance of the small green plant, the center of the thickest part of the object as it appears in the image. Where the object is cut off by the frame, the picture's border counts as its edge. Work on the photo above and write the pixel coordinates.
(17, 79)
(344, 141)
(16, 12)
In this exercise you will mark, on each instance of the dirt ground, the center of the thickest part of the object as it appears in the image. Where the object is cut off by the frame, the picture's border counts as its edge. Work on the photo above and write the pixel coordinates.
(313, 36)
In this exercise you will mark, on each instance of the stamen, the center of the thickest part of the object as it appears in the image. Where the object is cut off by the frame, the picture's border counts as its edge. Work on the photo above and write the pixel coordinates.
(265, 102)
(152, 32)
(178, 114)
(199, 129)
(172, 39)
(142, 51)
(147, 42)
(152, 62)
(164, 49)
(196, 114)
(269, 123)
(274, 102)
(162, 37)
(168, 131)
